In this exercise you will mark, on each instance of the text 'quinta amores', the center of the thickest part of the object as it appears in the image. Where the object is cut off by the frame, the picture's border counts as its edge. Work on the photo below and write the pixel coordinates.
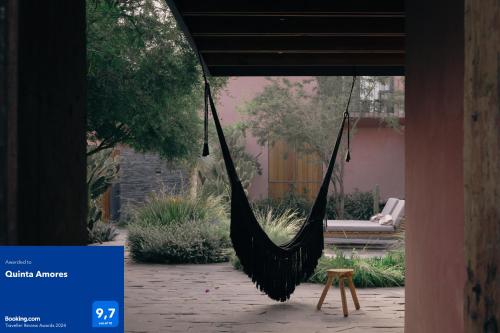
(38, 274)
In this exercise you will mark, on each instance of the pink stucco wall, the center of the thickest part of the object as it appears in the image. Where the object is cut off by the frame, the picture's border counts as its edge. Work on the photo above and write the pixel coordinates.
(237, 92)
(377, 158)
(378, 153)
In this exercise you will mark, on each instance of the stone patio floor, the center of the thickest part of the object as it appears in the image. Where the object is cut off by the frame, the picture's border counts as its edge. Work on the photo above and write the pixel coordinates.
(217, 298)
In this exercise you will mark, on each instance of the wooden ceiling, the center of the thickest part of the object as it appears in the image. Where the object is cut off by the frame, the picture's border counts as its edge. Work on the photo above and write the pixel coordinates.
(295, 37)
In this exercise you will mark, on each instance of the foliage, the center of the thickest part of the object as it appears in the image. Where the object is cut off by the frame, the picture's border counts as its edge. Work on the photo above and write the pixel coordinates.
(102, 232)
(280, 227)
(102, 169)
(179, 230)
(308, 114)
(291, 201)
(385, 271)
(94, 214)
(144, 86)
(358, 206)
(164, 210)
(212, 171)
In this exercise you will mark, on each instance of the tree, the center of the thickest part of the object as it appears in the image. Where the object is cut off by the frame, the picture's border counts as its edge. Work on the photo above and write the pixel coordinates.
(144, 82)
(308, 113)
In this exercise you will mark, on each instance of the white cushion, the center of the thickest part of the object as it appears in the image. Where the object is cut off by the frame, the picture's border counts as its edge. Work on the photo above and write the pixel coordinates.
(385, 220)
(354, 225)
(376, 217)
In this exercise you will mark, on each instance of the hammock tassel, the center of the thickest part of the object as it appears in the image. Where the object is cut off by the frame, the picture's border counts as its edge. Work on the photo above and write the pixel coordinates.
(205, 150)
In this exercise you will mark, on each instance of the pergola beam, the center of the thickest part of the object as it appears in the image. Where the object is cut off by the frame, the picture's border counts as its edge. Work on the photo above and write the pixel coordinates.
(362, 37)
(366, 44)
(370, 7)
(299, 59)
(294, 26)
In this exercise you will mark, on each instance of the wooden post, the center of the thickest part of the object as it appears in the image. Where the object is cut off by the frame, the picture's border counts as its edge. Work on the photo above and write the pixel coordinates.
(482, 166)
(42, 97)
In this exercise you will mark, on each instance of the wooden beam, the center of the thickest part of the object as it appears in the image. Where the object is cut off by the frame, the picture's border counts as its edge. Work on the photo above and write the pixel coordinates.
(295, 26)
(395, 44)
(482, 166)
(290, 6)
(306, 70)
(304, 60)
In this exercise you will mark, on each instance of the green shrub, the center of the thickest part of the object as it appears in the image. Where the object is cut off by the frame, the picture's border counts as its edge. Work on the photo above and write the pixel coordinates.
(290, 201)
(386, 271)
(102, 232)
(179, 230)
(357, 206)
(163, 209)
(279, 227)
(197, 242)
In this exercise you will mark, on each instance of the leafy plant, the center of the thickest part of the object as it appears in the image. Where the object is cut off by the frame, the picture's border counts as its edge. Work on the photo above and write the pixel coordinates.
(357, 206)
(385, 271)
(179, 230)
(212, 171)
(102, 169)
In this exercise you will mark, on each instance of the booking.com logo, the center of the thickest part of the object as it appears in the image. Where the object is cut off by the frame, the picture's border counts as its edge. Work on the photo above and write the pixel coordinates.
(22, 319)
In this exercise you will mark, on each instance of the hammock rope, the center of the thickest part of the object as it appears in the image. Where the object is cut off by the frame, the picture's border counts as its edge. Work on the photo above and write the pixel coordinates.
(275, 269)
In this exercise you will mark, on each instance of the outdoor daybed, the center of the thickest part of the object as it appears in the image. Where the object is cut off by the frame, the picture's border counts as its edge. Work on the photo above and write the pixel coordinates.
(367, 232)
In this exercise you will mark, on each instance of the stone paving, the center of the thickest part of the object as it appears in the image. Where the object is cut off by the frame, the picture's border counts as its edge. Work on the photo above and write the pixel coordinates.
(217, 298)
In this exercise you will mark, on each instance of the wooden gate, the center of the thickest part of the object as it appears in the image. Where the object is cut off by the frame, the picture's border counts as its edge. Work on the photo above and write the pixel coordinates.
(292, 171)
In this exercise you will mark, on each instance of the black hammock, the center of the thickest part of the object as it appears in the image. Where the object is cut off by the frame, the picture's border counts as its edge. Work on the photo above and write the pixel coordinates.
(275, 269)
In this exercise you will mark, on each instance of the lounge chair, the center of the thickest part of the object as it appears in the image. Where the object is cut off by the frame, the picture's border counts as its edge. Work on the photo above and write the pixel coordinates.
(367, 232)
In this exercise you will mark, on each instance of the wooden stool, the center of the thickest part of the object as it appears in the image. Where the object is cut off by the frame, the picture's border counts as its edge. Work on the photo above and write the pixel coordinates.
(341, 274)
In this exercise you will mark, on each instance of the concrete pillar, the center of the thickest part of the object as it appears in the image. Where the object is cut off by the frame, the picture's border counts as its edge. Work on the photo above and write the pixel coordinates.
(435, 275)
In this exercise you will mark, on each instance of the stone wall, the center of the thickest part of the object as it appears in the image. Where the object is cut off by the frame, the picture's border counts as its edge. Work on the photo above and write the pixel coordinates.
(140, 175)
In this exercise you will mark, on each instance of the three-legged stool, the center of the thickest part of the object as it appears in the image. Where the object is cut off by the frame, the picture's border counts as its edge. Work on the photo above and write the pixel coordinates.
(342, 274)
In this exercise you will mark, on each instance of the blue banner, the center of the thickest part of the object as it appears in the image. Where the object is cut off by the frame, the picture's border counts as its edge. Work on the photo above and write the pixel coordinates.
(61, 289)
